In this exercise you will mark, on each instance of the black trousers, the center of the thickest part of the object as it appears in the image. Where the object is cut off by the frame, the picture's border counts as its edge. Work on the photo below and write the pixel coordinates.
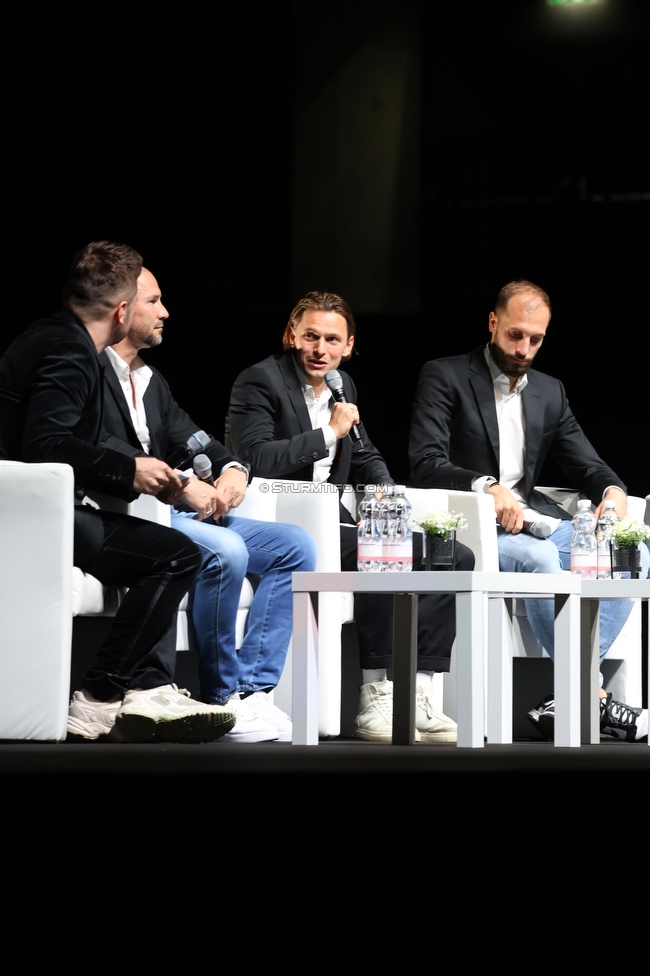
(374, 613)
(158, 565)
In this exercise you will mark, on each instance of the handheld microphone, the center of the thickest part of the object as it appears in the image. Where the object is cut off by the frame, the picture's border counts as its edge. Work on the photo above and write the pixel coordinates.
(196, 442)
(203, 467)
(334, 381)
(541, 530)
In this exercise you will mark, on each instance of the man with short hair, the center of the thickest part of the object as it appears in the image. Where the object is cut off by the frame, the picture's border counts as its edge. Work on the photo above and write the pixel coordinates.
(142, 418)
(51, 410)
(284, 422)
(486, 421)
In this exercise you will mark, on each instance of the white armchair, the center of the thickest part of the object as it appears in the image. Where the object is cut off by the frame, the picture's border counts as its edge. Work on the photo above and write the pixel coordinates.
(41, 591)
(315, 508)
(36, 525)
(622, 668)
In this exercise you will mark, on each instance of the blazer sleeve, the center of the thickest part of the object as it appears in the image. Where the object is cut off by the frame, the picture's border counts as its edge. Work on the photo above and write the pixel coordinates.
(59, 426)
(368, 466)
(263, 428)
(564, 439)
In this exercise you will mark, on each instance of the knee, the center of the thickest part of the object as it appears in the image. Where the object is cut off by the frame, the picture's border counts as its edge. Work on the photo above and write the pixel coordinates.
(226, 549)
(465, 559)
(524, 554)
(301, 548)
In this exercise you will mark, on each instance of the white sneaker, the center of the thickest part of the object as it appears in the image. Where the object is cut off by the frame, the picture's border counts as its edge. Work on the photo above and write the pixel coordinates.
(250, 726)
(272, 714)
(432, 726)
(375, 719)
(168, 714)
(90, 718)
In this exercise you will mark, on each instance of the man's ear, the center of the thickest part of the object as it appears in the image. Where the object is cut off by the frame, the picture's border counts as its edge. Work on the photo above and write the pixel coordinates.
(120, 312)
(348, 349)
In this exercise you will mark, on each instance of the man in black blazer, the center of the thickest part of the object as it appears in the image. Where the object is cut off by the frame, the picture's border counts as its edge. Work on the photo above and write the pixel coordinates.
(141, 418)
(51, 410)
(486, 421)
(283, 421)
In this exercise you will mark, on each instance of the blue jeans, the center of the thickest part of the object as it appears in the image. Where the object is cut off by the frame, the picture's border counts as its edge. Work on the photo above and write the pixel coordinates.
(523, 553)
(232, 548)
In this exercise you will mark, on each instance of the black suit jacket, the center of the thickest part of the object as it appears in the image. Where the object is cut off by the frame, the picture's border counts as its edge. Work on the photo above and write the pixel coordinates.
(51, 394)
(455, 435)
(268, 425)
(169, 426)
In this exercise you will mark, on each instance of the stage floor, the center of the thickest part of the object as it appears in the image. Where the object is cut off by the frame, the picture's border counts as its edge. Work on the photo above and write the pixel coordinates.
(331, 757)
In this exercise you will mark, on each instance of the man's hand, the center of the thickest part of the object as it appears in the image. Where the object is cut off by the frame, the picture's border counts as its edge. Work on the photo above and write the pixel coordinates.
(616, 495)
(510, 514)
(152, 476)
(230, 490)
(344, 416)
(201, 496)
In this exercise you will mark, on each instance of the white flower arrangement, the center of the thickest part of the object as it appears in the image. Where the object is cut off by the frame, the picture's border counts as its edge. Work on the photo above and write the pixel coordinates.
(441, 523)
(627, 532)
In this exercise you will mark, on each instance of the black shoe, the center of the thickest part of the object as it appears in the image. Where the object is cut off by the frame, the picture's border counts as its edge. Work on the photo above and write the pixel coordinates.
(542, 716)
(619, 721)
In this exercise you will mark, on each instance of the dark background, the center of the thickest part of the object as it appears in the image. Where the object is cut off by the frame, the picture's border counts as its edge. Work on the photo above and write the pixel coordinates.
(245, 155)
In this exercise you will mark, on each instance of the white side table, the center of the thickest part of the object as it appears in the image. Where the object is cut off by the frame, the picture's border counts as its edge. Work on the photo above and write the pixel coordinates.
(471, 591)
(593, 591)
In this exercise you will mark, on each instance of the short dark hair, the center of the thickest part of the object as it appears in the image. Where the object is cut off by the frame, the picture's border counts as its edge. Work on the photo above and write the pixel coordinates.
(320, 301)
(522, 287)
(101, 275)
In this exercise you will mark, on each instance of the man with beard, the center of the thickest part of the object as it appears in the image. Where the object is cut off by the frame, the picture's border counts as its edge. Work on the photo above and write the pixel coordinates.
(486, 421)
(142, 418)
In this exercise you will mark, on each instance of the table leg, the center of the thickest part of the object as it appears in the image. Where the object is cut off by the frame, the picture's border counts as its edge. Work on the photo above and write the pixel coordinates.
(405, 651)
(304, 702)
(567, 669)
(499, 671)
(469, 669)
(589, 668)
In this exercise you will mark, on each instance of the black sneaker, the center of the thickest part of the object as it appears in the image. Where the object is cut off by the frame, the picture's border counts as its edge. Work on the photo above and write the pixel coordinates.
(619, 721)
(542, 716)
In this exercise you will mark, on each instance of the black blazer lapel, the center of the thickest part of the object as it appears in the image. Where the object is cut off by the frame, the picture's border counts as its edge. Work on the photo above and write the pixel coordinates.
(480, 381)
(115, 404)
(534, 420)
(294, 392)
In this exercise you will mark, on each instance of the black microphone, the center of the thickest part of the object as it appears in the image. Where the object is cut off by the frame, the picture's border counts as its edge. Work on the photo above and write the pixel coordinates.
(335, 383)
(197, 441)
(541, 530)
(203, 467)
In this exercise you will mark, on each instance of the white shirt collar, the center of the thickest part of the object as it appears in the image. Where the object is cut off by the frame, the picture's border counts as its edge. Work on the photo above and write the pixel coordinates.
(501, 378)
(123, 369)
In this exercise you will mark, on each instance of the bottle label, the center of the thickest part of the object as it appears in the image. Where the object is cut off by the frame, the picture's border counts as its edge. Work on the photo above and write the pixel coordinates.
(584, 564)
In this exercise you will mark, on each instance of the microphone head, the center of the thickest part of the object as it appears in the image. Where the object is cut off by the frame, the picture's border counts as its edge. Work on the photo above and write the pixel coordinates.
(198, 440)
(202, 465)
(334, 380)
(541, 530)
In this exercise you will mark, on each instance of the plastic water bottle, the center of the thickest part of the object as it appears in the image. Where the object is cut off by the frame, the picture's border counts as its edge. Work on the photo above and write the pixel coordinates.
(402, 545)
(369, 533)
(584, 548)
(384, 514)
(608, 516)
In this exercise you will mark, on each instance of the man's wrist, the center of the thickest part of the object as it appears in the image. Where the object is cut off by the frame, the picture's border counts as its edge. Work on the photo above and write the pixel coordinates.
(482, 483)
(615, 488)
(238, 467)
